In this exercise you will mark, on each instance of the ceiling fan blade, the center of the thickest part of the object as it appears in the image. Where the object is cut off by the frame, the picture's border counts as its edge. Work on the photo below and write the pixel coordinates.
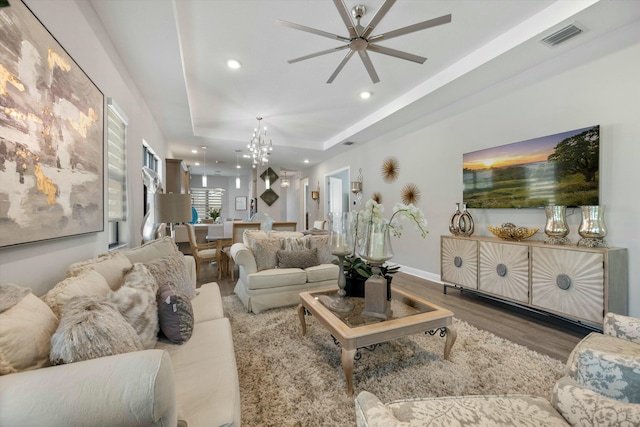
(378, 17)
(346, 18)
(445, 19)
(396, 53)
(312, 30)
(366, 60)
(341, 66)
(313, 55)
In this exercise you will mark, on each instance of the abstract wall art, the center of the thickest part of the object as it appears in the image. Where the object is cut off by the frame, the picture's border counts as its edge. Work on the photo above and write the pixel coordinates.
(51, 136)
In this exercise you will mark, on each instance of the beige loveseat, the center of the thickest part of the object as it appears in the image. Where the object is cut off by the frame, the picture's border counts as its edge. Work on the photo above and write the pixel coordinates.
(601, 387)
(275, 266)
(194, 383)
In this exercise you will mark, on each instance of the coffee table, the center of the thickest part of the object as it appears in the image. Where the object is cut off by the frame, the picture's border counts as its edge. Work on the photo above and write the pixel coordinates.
(411, 315)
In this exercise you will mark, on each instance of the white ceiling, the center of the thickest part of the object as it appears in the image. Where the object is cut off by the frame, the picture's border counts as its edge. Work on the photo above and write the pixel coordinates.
(176, 52)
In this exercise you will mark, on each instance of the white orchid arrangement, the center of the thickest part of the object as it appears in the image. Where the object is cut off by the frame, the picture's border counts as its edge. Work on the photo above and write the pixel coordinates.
(374, 213)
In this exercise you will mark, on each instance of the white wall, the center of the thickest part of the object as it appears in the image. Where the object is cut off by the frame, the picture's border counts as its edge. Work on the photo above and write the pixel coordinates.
(604, 91)
(41, 265)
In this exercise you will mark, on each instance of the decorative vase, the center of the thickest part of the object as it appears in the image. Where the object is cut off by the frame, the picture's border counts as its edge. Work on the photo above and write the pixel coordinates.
(556, 227)
(376, 250)
(592, 228)
(453, 222)
(464, 222)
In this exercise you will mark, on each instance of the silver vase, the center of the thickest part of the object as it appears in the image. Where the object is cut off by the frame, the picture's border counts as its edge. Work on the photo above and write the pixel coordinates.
(556, 227)
(464, 223)
(453, 222)
(592, 228)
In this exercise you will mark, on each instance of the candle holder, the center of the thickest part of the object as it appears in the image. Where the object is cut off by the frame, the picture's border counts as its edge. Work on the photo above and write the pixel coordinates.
(341, 246)
(376, 250)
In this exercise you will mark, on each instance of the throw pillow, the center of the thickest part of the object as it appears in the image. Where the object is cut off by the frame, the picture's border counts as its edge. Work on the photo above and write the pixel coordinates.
(172, 269)
(151, 250)
(88, 282)
(25, 334)
(265, 252)
(90, 328)
(136, 301)
(323, 244)
(297, 259)
(295, 243)
(111, 266)
(249, 236)
(175, 315)
(282, 234)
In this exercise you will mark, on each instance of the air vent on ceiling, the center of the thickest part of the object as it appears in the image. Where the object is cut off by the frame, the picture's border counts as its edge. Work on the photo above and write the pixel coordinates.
(348, 143)
(562, 35)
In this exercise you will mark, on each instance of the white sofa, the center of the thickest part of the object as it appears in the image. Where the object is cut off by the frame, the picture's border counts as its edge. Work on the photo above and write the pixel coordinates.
(262, 289)
(192, 384)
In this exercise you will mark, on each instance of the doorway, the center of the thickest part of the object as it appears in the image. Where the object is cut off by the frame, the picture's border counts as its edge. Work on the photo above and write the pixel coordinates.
(337, 190)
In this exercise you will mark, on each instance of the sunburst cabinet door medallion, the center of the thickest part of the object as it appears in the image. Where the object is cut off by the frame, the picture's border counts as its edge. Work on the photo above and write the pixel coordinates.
(459, 262)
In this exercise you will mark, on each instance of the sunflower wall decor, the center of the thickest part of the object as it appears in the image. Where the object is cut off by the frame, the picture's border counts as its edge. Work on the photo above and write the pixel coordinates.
(390, 169)
(410, 194)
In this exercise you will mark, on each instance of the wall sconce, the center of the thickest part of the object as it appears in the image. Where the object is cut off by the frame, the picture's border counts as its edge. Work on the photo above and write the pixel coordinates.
(315, 194)
(356, 188)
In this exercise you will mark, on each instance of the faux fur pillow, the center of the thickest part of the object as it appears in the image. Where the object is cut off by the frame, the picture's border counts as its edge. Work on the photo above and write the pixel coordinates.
(295, 243)
(172, 269)
(175, 314)
(89, 282)
(25, 335)
(298, 259)
(265, 252)
(136, 301)
(90, 328)
(111, 266)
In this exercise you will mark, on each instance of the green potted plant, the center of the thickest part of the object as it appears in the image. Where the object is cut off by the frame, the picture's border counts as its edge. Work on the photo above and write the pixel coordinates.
(214, 213)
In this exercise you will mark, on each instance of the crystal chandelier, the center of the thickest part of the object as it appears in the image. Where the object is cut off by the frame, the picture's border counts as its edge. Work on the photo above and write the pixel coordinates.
(258, 146)
(284, 181)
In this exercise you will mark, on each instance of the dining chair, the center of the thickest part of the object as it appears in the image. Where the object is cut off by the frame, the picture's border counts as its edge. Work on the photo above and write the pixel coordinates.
(202, 252)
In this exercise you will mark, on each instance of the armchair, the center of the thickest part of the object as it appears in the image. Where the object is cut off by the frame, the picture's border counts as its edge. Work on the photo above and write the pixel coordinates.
(601, 387)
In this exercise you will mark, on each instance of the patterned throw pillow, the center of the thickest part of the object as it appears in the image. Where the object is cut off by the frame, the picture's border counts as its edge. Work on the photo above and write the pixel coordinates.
(265, 252)
(136, 301)
(295, 243)
(297, 259)
(323, 244)
(90, 328)
(172, 269)
(175, 314)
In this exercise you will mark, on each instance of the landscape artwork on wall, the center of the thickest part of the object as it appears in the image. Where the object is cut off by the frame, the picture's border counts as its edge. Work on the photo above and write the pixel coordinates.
(560, 169)
(51, 136)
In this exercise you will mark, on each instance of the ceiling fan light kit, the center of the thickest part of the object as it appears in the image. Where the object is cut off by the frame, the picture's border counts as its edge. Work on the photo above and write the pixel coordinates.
(360, 40)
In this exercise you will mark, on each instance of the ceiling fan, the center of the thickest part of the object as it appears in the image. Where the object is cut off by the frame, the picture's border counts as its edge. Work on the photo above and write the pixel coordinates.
(360, 39)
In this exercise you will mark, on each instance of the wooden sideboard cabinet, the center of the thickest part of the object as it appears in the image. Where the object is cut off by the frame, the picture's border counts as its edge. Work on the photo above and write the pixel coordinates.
(574, 282)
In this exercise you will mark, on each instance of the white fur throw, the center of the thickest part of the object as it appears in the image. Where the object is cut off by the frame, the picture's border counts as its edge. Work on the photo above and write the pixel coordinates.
(136, 301)
(90, 328)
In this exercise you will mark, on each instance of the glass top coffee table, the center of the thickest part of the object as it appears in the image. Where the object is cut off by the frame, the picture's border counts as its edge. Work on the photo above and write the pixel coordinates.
(411, 315)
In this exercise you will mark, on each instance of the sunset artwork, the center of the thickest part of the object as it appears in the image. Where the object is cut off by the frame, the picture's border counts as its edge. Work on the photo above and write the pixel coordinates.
(559, 169)
(51, 136)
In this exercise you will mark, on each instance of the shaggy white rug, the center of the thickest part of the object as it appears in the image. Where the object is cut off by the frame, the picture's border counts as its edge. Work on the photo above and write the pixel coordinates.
(287, 379)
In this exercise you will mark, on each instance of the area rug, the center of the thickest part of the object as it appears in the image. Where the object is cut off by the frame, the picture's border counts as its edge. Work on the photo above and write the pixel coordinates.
(287, 379)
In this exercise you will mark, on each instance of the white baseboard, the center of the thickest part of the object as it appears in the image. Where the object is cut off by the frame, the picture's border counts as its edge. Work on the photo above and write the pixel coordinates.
(433, 277)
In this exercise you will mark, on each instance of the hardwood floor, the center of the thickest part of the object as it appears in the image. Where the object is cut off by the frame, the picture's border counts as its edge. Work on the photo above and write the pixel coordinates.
(544, 334)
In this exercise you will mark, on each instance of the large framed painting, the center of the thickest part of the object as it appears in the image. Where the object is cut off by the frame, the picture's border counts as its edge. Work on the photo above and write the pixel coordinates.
(560, 169)
(51, 136)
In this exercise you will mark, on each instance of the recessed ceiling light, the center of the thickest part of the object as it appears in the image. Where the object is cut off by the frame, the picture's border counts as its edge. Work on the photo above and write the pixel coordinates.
(306, 160)
(197, 163)
(194, 151)
(365, 95)
(233, 64)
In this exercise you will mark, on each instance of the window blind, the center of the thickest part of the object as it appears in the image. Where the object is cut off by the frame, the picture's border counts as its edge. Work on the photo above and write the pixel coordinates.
(116, 137)
(203, 199)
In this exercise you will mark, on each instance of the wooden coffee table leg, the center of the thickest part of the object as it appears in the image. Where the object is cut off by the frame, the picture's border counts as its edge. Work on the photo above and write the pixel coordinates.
(303, 322)
(347, 367)
(452, 334)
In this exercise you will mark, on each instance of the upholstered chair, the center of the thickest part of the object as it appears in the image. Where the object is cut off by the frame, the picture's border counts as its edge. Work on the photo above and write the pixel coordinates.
(202, 252)
(601, 388)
